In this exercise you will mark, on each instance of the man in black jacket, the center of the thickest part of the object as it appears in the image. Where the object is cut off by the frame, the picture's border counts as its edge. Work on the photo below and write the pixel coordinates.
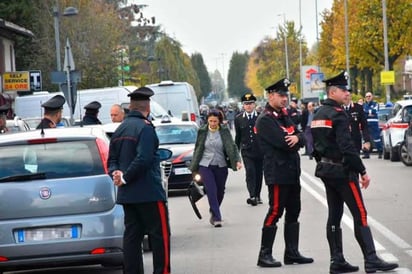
(280, 141)
(246, 142)
(339, 166)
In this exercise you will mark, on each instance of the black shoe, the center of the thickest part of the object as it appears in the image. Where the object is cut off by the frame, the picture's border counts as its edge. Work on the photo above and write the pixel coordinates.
(342, 267)
(365, 157)
(380, 155)
(377, 264)
(259, 200)
(252, 201)
(266, 260)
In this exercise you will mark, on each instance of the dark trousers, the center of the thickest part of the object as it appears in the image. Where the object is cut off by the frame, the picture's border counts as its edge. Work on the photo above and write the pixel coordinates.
(283, 197)
(348, 192)
(146, 218)
(214, 180)
(374, 132)
(308, 140)
(254, 174)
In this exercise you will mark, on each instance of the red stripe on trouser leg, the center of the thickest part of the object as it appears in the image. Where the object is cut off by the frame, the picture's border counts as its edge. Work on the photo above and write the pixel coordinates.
(275, 208)
(359, 203)
(165, 233)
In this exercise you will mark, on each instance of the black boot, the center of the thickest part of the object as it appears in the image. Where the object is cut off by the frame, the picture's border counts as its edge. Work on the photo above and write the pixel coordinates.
(338, 264)
(373, 263)
(265, 255)
(292, 255)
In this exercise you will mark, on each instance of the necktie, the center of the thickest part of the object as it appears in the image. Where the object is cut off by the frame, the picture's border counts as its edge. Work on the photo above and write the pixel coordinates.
(249, 116)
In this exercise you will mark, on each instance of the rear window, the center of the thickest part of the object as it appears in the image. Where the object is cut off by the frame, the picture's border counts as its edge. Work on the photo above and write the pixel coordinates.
(56, 160)
(176, 134)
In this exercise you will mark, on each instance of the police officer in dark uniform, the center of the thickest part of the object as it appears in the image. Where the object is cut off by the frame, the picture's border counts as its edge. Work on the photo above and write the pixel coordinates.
(280, 141)
(246, 142)
(358, 125)
(135, 166)
(294, 112)
(339, 166)
(53, 110)
(92, 110)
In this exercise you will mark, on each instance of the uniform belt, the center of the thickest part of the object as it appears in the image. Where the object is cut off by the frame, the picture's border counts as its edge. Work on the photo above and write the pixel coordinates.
(330, 161)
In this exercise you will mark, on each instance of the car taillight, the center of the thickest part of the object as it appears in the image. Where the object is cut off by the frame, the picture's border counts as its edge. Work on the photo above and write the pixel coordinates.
(104, 152)
(42, 141)
(3, 259)
(99, 250)
(193, 117)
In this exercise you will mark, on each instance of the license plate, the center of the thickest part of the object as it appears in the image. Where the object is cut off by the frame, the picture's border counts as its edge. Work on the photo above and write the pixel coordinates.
(47, 233)
(182, 171)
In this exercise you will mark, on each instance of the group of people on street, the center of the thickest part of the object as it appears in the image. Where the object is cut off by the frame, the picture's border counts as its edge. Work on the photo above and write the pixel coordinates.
(269, 144)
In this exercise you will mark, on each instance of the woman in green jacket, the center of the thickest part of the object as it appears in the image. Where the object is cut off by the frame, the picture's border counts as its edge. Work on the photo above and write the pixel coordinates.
(215, 151)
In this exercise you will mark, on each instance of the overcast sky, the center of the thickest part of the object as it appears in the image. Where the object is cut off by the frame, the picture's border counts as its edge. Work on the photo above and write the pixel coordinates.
(217, 28)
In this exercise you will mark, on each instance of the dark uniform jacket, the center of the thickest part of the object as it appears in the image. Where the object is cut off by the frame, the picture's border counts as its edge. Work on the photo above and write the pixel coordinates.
(91, 120)
(281, 163)
(46, 123)
(245, 137)
(358, 125)
(332, 137)
(295, 115)
(229, 146)
(133, 150)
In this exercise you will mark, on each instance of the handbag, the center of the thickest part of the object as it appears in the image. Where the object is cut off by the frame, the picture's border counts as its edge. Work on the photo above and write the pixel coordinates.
(195, 192)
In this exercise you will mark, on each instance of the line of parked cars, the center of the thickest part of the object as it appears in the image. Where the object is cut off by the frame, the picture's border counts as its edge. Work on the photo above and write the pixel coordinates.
(396, 133)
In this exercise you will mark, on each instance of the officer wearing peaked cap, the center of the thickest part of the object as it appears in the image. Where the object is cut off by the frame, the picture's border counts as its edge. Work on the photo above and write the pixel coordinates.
(53, 109)
(340, 167)
(135, 166)
(280, 142)
(247, 144)
(92, 110)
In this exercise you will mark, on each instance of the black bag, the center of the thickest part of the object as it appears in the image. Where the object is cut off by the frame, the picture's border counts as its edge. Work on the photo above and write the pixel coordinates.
(195, 193)
(330, 171)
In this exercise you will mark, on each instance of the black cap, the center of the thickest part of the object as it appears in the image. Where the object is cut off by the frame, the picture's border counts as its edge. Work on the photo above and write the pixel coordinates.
(54, 103)
(340, 81)
(141, 94)
(294, 99)
(280, 87)
(93, 106)
(248, 98)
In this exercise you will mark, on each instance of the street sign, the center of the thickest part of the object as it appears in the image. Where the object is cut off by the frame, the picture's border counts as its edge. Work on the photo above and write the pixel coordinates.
(68, 58)
(387, 77)
(16, 81)
(35, 80)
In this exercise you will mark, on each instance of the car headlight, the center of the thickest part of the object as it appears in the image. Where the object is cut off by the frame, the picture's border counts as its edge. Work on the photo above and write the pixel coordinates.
(197, 178)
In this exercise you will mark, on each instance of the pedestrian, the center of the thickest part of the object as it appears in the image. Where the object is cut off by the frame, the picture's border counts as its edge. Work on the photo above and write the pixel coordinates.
(294, 112)
(134, 165)
(358, 125)
(245, 139)
(53, 111)
(215, 152)
(339, 166)
(116, 113)
(92, 111)
(3, 123)
(371, 109)
(307, 117)
(230, 116)
(280, 141)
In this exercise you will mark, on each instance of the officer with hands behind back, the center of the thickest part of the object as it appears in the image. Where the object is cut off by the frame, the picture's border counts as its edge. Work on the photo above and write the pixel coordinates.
(339, 166)
(247, 144)
(134, 165)
(280, 142)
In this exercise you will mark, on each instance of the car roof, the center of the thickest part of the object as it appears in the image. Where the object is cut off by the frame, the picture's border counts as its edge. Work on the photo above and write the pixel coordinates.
(72, 133)
(179, 123)
(404, 102)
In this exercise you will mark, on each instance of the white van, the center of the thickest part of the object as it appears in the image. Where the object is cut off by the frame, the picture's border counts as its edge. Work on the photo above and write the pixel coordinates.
(29, 106)
(177, 97)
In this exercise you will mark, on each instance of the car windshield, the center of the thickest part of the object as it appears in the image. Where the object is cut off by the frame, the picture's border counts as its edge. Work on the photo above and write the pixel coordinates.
(55, 160)
(176, 134)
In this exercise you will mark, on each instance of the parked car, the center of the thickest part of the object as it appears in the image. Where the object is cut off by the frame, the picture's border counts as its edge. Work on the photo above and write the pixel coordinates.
(33, 122)
(405, 150)
(17, 125)
(180, 138)
(394, 130)
(57, 203)
(383, 116)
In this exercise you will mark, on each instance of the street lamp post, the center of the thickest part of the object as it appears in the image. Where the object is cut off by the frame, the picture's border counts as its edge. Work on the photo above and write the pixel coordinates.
(385, 47)
(300, 50)
(286, 44)
(347, 41)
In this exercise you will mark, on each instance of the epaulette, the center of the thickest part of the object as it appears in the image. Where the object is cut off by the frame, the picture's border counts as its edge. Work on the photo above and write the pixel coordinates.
(338, 109)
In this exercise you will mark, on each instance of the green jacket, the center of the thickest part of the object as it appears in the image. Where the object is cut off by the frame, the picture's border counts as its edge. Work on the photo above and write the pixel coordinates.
(229, 145)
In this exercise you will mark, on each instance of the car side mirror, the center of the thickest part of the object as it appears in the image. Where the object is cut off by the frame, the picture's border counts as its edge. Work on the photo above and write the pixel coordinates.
(407, 119)
(164, 154)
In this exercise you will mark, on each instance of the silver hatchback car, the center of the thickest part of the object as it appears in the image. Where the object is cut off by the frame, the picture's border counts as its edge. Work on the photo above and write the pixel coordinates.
(57, 203)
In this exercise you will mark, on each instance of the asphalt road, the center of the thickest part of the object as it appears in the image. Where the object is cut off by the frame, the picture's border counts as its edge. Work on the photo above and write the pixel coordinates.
(199, 248)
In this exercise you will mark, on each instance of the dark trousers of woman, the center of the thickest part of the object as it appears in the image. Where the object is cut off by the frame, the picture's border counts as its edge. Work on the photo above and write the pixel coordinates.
(214, 180)
(146, 218)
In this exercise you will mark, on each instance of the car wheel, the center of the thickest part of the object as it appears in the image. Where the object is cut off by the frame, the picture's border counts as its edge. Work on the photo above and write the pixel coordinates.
(404, 155)
(393, 152)
(385, 151)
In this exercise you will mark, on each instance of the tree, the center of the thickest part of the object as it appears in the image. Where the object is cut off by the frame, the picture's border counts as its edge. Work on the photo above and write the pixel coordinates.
(201, 70)
(236, 75)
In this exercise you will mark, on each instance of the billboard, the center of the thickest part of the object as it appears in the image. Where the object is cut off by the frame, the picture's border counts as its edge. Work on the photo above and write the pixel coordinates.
(16, 81)
(312, 82)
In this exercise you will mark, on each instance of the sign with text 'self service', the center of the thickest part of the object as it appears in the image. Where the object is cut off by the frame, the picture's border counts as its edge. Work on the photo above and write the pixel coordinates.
(16, 81)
